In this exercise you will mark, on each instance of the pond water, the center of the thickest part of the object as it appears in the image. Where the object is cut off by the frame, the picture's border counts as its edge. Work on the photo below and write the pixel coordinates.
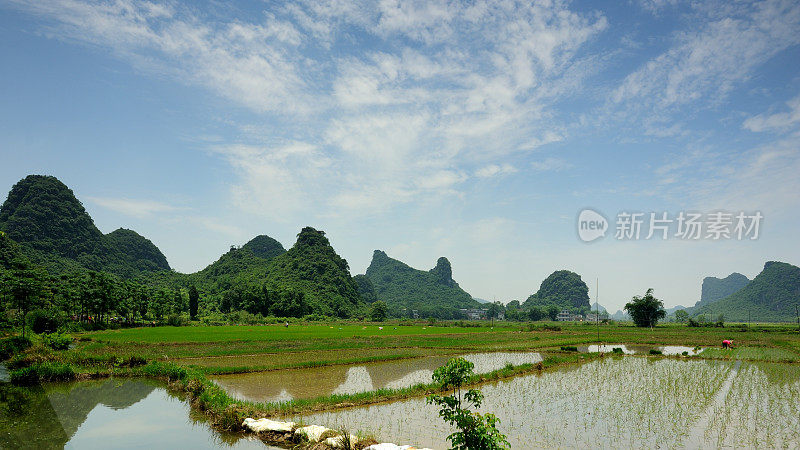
(614, 402)
(284, 385)
(641, 349)
(4, 373)
(103, 414)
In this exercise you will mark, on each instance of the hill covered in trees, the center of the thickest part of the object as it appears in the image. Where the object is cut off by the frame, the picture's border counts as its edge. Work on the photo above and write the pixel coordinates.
(563, 289)
(714, 288)
(771, 297)
(262, 277)
(432, 293)
(55, 231)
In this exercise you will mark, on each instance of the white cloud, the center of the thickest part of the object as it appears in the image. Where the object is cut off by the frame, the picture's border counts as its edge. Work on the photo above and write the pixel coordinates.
(436, 87)
(706, 64)
(494, 170)
(255, 65)
(275, 179)
(763, 178)
(548, 137)
(777, 121)
(440, 180)
(132, 207)
(550, 165)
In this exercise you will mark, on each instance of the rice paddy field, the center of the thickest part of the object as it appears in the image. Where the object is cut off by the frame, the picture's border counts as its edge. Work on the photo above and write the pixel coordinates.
(551, 385)
(275, 346)
(615, 402)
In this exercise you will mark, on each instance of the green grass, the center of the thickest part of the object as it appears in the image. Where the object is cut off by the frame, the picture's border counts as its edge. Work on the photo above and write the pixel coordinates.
(202, 334)
(752, 354)
(304, 344)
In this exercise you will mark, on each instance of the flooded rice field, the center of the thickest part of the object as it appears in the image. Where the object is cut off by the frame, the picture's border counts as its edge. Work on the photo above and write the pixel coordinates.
(284, 385)
(615, 402)
(641, 349)
(104, 414)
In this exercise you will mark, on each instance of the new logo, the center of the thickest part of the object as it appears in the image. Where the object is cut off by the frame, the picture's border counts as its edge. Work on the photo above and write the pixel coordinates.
(591, 225)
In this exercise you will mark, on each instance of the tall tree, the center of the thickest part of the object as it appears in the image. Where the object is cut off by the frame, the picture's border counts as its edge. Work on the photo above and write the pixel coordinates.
(194, 297)
(23, 286)
(646, 311)
(378, 311)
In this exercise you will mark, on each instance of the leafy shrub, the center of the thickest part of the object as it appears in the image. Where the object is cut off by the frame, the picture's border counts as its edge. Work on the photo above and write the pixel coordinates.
(44, 371)
(133, 361)
(617, 351)
(214, 320)
(569, 348)
(314, 317)
(170, 371)
(475, 431)
(43, 321)
(655, 352)
(13, 345)
(177, 320)
(57, 341)
(5, 322)
(547, 327)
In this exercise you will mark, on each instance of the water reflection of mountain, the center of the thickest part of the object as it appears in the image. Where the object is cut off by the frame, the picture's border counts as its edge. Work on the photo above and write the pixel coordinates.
(30, 415)
(283, 385)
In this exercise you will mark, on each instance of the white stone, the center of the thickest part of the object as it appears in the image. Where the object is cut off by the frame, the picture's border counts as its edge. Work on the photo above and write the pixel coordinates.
(390, 446)
(338, 441)
(268, 425)
(312, 432)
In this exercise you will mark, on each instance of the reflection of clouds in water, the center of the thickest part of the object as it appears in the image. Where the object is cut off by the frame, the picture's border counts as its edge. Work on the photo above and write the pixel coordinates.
(677, 350)
(358, 380)
(284, 396)
(292, 384)
(641, 349)
(608, 349)
(487, 362)
(416, 377)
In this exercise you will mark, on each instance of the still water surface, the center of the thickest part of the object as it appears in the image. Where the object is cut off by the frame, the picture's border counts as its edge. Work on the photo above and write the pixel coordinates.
(641, 349)
(284, 385)
(105, 414)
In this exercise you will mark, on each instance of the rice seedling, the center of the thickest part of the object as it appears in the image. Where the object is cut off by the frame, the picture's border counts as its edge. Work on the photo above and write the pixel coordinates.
(762, 409)
(632, 402)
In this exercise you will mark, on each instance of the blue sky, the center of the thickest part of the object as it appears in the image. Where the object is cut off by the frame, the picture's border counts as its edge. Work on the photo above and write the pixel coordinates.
(472, 130)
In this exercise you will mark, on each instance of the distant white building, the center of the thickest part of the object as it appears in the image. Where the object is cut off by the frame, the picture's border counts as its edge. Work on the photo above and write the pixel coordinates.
(566, 316)
(474, 314)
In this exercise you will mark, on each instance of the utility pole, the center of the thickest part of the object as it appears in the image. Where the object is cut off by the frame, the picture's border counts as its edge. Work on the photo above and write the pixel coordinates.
(797, 314)
(748, 319)
(597, 308)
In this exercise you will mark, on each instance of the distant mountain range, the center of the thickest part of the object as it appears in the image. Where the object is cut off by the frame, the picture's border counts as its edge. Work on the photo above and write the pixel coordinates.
(44, 221)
